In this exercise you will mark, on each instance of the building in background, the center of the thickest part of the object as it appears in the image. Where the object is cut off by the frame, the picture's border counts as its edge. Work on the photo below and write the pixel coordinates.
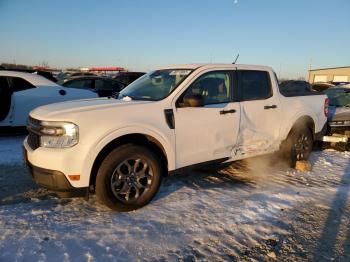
(330, 75)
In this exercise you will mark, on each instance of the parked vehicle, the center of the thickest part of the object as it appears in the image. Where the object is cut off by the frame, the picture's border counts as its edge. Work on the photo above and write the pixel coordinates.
(22, 92)
(339, 117)
(64, 77)
(103, 86)
(320, 87)
(295, 87)
(128, 77)
(167, 121)
(46, 74)
(79, 74)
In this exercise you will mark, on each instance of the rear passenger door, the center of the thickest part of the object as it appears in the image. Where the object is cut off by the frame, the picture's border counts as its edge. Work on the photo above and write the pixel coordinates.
(260, 115)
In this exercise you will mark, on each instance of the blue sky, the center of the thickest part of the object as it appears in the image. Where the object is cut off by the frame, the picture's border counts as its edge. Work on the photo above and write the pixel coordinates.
(141, 35)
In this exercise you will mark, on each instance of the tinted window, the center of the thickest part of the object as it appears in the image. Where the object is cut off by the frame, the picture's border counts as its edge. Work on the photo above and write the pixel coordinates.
(19, 84)
(294, 87)
(108, 84)
(117, 85)
(5, 98)
(83, 84)
(213, 86)
(100, 84)
(255, 85)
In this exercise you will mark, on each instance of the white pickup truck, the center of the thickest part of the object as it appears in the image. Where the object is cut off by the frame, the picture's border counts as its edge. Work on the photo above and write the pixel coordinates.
(170, 119)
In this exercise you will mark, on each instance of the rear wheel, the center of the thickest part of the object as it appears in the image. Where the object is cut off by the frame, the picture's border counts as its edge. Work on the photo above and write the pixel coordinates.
(129, 177)
(298, 145)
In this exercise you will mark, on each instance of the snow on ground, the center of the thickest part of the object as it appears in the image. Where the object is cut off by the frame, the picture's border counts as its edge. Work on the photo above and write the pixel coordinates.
(11, 150)
(255, 209)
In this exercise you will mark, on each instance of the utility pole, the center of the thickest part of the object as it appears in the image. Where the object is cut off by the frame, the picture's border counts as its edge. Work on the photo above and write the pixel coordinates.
(310, 66)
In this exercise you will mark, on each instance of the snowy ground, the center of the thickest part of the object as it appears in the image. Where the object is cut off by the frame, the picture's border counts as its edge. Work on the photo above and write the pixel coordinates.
(255, 210)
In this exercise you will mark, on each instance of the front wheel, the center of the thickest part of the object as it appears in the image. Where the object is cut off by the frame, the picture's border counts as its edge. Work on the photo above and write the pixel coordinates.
(128, 178)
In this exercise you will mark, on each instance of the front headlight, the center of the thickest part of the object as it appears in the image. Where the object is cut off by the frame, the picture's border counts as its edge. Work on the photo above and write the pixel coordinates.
(58, 134)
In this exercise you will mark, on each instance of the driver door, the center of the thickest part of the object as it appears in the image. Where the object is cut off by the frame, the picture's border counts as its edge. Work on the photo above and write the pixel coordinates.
(208, 132)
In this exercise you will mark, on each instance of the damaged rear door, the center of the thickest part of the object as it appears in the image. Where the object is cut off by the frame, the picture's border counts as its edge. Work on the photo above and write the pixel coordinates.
(260, 114)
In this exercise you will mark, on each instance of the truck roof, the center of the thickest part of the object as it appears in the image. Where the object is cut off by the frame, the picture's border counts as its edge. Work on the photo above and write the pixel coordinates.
(213, 66)
(34, 79)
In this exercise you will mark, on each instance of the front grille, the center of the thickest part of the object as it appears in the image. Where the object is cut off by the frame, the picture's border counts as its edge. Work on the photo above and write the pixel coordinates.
(33, 140)
(33, 137)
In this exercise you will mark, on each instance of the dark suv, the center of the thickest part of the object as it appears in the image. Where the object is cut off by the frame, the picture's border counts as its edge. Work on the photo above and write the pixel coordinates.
(128, 77)
(103, 86)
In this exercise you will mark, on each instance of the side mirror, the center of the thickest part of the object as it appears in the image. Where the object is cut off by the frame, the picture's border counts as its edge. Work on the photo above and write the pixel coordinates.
(62, 92)
(193, 100)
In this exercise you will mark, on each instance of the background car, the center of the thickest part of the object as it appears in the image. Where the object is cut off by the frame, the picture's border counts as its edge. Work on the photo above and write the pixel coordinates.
(320, 87)
(128, 77)
(339, 115)
(103, 86)
(22, 92)
(294, 87)
(338, 132)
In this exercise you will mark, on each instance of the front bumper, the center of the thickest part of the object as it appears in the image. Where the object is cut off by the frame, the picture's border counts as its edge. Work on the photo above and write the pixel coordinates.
(50, 179)
(52, 168)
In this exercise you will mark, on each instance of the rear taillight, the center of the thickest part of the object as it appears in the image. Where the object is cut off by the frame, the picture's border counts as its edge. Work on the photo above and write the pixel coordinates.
(326, 104)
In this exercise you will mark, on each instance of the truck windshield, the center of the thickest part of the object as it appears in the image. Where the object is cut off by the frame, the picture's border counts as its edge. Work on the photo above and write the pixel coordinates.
(155, 85)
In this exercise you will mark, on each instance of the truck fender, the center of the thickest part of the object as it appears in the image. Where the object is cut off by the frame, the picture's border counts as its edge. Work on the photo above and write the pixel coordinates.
(107, 139)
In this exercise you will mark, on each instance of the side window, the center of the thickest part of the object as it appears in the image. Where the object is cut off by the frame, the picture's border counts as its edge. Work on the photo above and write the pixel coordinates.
(5, 98)
(19, 84)
(100, 84)
(118, 85)
(81, 84)
(213, 86)
(3, 83)
(108, 84)
(255, 85)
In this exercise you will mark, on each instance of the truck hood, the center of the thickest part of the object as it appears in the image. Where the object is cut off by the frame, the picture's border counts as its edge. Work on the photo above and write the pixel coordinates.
(63, 109)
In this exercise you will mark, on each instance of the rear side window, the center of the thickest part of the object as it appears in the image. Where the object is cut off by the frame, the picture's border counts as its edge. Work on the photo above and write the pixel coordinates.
(255, 85)
(81, 84)
(19, 84)
(108, 84)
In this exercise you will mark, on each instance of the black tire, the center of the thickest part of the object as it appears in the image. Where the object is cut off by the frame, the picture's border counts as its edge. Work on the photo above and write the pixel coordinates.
(128, 178)
(298, 145)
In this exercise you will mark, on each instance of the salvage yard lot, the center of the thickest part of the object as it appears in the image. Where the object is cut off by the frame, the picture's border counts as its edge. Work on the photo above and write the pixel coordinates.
(251, 210)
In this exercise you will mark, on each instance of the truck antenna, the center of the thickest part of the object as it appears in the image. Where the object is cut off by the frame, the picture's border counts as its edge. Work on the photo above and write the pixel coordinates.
(234, 62)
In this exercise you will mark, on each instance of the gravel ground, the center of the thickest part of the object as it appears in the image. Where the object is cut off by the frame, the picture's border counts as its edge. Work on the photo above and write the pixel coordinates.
(255, 210)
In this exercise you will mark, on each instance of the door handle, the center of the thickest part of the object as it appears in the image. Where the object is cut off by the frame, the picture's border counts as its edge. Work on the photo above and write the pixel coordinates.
(222, 112)
(270, 107)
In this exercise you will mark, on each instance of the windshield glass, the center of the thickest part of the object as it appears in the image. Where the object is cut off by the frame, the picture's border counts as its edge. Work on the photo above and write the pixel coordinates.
(338, 97)
(155, 85)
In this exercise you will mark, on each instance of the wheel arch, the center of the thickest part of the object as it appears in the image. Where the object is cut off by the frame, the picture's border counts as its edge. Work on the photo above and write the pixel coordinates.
(135, 138)
(301, 122)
